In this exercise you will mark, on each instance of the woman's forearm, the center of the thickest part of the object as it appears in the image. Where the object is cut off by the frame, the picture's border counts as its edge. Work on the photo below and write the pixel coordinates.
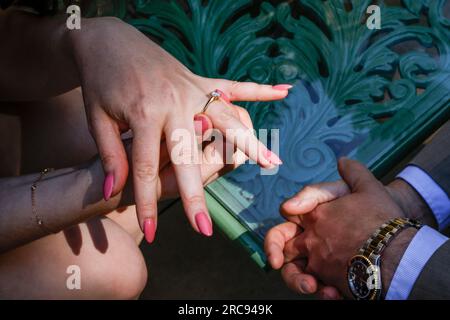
(36, 56)
(62, 198)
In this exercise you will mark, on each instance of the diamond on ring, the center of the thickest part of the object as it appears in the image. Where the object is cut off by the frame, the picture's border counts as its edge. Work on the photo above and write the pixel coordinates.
(213, 96)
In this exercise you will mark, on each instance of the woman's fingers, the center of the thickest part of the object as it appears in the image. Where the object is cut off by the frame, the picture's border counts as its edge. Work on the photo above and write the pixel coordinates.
(212, 166)
(164, 156)
(185, 158)
(145, 166)
(250, 91)
(297, 280)
(202, 123)
(112, 152)
(236, 132)
(244, 116)
(276, 240)
(310, 197)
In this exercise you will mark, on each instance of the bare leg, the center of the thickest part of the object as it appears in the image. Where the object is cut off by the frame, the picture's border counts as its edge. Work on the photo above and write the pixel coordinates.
(110, 263)
(55, 135)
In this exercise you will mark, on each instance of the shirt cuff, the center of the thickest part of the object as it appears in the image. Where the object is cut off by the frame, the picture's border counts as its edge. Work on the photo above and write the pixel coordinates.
(431, 192)
(419, 251)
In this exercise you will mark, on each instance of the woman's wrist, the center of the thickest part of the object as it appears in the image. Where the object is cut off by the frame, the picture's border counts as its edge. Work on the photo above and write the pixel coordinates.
(92, 31)
(60, 198)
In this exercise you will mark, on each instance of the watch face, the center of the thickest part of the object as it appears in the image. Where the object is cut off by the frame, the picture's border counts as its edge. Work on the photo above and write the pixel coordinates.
(363, 278)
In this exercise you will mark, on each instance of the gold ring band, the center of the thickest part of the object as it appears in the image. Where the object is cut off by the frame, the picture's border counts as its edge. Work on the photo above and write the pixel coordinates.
(213, 96)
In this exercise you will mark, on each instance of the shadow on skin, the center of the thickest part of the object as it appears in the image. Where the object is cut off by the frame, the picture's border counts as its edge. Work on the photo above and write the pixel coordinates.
(97, 232)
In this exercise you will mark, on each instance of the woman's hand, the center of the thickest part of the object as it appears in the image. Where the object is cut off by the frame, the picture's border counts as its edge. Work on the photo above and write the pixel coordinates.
(129, 82)
(215, 161)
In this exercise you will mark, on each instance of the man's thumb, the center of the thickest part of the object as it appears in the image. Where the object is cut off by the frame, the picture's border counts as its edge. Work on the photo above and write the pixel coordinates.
(356, 175)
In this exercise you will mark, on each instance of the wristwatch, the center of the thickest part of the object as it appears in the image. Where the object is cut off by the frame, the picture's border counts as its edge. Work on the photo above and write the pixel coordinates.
(364, 269)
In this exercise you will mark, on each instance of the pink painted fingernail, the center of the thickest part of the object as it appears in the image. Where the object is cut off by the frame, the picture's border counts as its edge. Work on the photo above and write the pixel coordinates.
(200, 124)
(273, 158)
(203, 224)
(282, 87)
(223, 96)
(149, 230)
(108, 186)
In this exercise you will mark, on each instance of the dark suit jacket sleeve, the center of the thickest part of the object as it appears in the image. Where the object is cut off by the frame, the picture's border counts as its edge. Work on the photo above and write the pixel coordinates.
(434, 159)
(434, 280)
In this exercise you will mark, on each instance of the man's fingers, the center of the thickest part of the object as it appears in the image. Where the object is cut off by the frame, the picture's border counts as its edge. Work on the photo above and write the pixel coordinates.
(250, 91)
(295, 248)
(297, 280)
(145, 160)
(357, 176)
(112, 152)
(310, 197)
(185, 158)
(328, 293)
(295, 277)
(275, 241)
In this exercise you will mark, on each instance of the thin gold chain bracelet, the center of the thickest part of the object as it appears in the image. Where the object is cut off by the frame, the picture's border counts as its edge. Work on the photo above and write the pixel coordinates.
(38, 219)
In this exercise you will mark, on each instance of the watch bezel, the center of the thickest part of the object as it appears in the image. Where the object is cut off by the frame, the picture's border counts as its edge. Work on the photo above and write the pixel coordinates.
(374, 293)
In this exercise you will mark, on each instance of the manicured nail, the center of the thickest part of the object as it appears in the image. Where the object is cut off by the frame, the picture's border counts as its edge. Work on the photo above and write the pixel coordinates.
(203, 224)
(273, 158)
(200, 124)
(282, 87)
(149, 230)
(223, 96)
(305, 287)
(108, 186)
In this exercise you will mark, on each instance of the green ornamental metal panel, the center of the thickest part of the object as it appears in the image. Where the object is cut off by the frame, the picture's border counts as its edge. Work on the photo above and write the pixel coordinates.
(366, 94)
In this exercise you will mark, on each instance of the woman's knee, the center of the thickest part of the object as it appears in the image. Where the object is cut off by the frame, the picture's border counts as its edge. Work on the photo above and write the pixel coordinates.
(120, 272)
(91, 261)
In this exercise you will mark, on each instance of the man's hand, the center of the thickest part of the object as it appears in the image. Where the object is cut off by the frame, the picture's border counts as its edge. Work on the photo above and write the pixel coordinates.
(329, 222)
